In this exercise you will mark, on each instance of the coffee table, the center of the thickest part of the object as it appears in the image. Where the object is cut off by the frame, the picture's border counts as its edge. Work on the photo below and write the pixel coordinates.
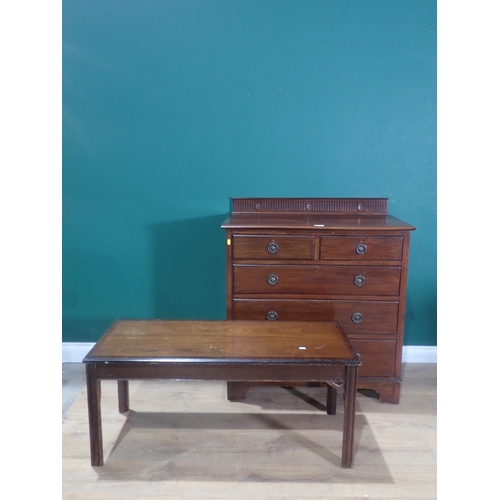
(222, 350)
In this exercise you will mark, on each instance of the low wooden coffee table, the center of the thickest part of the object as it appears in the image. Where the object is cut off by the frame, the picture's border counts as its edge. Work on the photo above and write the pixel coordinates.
(221, 350)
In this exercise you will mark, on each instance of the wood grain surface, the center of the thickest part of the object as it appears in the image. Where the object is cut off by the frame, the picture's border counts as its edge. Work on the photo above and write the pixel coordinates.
(184, 440)
(192, 341)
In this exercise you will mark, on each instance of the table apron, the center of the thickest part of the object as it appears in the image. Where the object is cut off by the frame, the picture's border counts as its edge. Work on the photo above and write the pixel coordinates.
(228, 371)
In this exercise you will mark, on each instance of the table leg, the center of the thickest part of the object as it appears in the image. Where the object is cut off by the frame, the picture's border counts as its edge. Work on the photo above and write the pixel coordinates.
(349, 414)
(331, 399)
(230, 391)
(94, 408)
(123, 399)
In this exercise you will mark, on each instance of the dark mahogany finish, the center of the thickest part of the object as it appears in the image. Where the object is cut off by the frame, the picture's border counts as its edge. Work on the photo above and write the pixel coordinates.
(239, 351)
(343, 259)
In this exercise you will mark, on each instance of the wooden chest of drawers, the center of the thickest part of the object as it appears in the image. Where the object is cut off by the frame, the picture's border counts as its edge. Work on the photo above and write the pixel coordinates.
(343, 259)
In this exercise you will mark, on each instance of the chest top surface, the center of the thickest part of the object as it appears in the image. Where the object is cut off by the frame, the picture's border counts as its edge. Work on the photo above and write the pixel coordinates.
(313, 214)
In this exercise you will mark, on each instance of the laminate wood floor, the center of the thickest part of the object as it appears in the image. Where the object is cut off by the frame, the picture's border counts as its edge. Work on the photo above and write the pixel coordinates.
(185, 440)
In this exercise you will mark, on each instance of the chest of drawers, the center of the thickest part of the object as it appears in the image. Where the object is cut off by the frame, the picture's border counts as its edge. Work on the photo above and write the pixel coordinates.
(342, 259)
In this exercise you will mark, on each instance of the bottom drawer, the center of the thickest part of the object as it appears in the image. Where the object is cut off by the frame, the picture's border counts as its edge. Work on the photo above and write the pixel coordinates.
(356, 316)
(378, 357)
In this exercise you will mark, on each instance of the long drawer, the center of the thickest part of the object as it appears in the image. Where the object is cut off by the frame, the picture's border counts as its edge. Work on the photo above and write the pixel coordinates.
(356, 317)
(323, 280)
(378, 357)
(361, 249)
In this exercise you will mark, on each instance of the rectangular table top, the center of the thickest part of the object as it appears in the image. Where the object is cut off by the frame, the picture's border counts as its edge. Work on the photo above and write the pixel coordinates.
(192, 341)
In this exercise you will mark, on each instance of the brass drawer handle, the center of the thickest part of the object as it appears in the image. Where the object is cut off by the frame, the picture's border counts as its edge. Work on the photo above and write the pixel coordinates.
(359, 280)
(273, 248)
(272, 315)
(272, 279)
(360, 248)
(357, 317)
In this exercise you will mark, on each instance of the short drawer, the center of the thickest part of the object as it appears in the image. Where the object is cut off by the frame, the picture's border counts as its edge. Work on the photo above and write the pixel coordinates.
(356, 317)
(361, 249)
(262, 247)
(378, 357)
(321, 280)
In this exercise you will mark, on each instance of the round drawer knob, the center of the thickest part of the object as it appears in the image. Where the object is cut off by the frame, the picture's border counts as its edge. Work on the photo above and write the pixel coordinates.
(359, 280)
(272, 315)
(357, 317)
(360, 248)
(273, 248)
(272, 279)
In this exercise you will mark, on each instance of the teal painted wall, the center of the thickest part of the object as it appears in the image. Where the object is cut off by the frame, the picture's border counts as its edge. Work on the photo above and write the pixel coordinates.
(172, 107)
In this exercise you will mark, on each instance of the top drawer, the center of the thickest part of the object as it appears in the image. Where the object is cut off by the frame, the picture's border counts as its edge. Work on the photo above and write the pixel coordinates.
(361, 248)
(262, 247)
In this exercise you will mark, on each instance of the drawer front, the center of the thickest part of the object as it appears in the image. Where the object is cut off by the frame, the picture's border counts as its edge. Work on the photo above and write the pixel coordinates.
(262, 247)
(361, 249)
(356, 317)
(322, 280)
(378, 357)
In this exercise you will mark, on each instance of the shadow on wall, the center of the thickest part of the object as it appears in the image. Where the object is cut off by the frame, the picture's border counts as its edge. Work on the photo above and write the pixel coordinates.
(189, 268)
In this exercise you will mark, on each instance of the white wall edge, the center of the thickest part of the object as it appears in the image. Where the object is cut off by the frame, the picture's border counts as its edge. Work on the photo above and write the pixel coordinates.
(419, 354)
(74, 352)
